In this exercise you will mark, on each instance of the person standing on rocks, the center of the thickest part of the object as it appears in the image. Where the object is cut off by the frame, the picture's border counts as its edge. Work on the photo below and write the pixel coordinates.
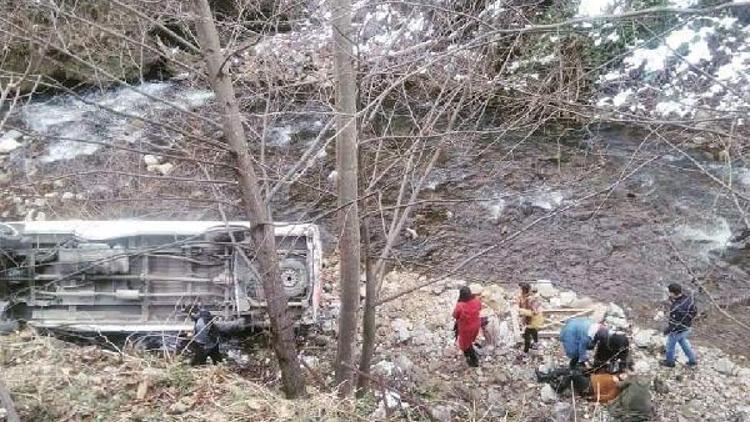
(681, 314)
(531, 311)
(468, 323)
(577, 337)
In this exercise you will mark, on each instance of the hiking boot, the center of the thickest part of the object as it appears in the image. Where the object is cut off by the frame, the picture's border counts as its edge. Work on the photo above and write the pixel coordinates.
(667, 363)
(691, 364)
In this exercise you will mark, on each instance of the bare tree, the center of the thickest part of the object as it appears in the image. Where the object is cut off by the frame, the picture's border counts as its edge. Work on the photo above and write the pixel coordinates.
(347, 168)
(257, 211)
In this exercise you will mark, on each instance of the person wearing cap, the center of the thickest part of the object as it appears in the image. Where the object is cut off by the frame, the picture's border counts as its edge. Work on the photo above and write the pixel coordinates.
(578, 336)
(466, 314)
(531, 311)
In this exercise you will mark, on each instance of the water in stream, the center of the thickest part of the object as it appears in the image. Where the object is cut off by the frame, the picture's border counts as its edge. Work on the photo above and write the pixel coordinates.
(654, 204)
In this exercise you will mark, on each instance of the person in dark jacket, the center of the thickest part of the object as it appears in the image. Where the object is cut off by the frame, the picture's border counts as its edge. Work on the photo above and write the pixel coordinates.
(205, 339)
(612, 352)
(681, 314)
(468, 323)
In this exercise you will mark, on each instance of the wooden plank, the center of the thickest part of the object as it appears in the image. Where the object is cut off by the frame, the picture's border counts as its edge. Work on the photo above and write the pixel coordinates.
(561, 321)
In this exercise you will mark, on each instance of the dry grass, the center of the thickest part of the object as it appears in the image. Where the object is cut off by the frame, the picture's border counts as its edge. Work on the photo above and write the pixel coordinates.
(52, 380)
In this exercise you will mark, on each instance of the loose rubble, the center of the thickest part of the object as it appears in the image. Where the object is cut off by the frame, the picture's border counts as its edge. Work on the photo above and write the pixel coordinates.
(415, 358)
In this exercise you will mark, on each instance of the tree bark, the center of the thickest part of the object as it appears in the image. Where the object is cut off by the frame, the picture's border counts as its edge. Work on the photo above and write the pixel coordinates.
(368, 318)
(261, 227)
(347, 168)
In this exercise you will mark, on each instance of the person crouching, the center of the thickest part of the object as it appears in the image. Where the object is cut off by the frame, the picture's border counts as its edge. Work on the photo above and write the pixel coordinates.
(468, 323)
(205, 339)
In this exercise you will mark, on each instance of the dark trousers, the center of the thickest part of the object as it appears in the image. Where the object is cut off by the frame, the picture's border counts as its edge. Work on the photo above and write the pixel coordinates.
(200, 354)
(528, 335)
(471, 357)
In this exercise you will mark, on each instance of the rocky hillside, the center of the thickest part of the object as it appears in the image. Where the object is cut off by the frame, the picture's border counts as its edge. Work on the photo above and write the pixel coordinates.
(420, 370)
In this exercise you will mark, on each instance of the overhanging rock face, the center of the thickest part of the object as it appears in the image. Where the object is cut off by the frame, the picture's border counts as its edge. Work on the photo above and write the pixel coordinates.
(144, 276)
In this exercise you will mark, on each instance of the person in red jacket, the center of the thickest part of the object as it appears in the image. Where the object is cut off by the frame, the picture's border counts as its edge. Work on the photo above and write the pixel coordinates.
(468, 323)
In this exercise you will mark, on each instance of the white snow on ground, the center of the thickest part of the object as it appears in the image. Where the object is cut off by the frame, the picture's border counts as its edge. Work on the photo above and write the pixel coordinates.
(678, 66)
(596, 7)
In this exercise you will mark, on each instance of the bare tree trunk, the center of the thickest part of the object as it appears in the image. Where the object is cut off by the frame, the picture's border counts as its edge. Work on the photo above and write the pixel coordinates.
(347, 168)
(368, 318)
(261, 227)
(7, 403)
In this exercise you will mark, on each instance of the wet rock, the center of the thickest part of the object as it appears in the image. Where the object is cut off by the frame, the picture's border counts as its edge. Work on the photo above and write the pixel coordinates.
(548, 394)
(9, 141)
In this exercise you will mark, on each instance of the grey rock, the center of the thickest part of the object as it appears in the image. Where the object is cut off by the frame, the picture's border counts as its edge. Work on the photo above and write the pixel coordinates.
(401, 329)
(548, 394)
(726, 367)
(647, 339)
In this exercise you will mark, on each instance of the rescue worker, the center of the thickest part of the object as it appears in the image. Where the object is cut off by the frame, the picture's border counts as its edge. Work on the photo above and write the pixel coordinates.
(633, 404)
(466, 314)
(577, 337)
(531, 311)
(205, 339)
(612, 352)
(681, 314)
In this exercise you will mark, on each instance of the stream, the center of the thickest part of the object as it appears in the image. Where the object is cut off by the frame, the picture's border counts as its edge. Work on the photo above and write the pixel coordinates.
(606, 214)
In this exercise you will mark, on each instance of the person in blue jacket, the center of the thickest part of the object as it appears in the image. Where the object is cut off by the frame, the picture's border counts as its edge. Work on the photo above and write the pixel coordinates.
(681, 314)
(578, 336)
